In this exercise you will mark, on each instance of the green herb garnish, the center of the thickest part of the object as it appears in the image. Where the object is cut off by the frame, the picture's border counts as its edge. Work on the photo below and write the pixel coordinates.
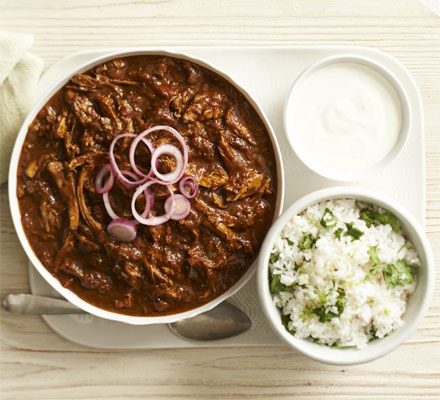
(289, 242)
(275, 285)
(274, 257)
(375, 263)
(374, 258)
(285, 319)
(307, 313)
(323, 296)
(328, 219)
(355, 233)
(398, 274)
(325, 315)
(307, 242)
(372, 217)
(340, 301)
(338, 233)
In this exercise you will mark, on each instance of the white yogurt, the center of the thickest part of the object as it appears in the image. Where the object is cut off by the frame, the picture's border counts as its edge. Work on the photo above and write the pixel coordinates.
(345, 116)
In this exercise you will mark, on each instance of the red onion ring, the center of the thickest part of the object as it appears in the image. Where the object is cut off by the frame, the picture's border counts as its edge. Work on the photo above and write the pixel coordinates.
(122, 229)
(182, 207)
(131, 155)
(108, 207)
(176, 206)
(152, 220)
(115, 167)
(170, 177)
(100, 187)
(149, 200)
(169, 129)
(192, 183)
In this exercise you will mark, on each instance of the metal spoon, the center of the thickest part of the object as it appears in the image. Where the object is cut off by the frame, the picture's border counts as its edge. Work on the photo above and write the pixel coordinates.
(221, 322)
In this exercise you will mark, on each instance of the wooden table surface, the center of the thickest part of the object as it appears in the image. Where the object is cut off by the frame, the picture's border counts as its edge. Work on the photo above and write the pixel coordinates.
(37, 364)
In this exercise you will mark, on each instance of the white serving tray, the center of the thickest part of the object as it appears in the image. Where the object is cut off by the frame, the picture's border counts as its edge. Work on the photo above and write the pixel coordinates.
(267, 73)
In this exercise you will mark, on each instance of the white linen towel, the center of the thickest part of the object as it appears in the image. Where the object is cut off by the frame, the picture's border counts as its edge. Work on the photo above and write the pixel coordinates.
(19, 75)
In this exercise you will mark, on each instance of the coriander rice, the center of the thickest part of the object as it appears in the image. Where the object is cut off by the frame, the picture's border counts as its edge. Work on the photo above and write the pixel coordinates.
(341, 272)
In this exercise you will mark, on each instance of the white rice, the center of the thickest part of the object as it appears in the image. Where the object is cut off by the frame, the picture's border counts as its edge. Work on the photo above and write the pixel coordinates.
(313, 279)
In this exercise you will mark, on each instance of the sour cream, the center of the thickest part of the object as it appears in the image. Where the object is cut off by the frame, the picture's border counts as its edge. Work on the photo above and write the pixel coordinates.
(344, 115)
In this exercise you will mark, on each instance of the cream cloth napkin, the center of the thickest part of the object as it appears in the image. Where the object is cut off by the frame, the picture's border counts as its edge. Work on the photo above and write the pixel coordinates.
(19, 75)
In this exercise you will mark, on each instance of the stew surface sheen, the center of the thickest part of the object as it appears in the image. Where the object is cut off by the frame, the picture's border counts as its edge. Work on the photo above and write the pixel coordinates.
(168, 268)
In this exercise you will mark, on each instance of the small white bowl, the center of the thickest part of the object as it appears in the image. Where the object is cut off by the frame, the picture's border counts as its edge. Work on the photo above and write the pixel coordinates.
(418, 302)
(16, 215)
(349, 174)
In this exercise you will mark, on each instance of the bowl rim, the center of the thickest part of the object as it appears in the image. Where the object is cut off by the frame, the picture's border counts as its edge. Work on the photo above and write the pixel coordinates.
(350, 175)
(324, 353)
(15, 210)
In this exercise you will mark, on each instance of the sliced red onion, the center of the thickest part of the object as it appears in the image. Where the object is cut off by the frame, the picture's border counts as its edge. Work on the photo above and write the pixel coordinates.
(114, 165)
(176, 206)
(149, 200)
(170, 177)
(101, 187)
(182, 207)
(189, 181)
(132, 153)
(122, 229)
(169, 129)
(149, 203)
(151, 220)
(108, 207)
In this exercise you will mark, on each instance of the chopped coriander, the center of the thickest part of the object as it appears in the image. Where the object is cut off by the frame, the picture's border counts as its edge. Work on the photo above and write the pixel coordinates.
(375, 263)
(372, 217)
(388, 218)
(328, 219)
(290, 243)
(307, 242)
(355, 233)
(338, 233)
(374, 258)
(323, 296)
(323, 314)
(340, 301)
(275, 285)
(285, 321)
(367, 215)
(274, 257)
(307, 313)
(398, 274)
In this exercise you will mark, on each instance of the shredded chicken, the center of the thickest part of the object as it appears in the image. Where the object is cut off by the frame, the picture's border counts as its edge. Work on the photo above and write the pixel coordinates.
(65, 182)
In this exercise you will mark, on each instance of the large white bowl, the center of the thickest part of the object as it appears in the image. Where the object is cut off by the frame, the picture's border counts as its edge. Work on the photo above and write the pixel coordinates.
(417, 304)
(16, 215)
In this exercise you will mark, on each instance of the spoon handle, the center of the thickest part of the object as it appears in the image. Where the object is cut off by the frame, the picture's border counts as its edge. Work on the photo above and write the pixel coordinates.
(31, 304)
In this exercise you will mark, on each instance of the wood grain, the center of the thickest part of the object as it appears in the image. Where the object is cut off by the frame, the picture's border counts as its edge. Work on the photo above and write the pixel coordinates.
(37, 364)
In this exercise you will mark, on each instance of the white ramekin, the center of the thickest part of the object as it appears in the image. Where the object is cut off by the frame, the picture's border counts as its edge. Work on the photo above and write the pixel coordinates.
(16, 215)
(349, 174)
(418, 302)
